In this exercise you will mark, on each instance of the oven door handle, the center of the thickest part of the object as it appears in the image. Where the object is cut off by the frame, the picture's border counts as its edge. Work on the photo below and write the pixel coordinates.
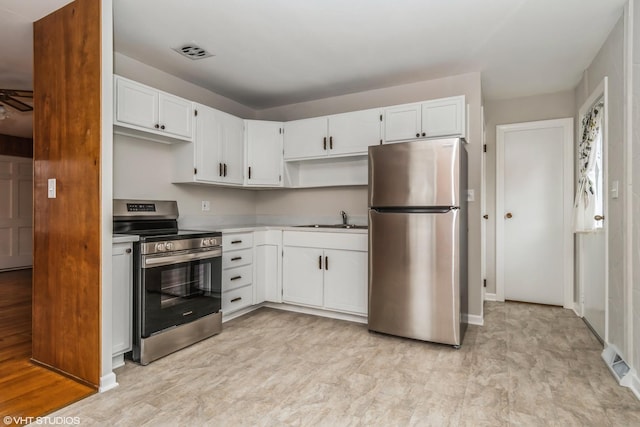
(149, 262)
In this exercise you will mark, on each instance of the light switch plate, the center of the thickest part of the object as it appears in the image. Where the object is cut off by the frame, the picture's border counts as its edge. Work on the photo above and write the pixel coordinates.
(471, 197)
(206, 206)
(614, 189)
(51, 188)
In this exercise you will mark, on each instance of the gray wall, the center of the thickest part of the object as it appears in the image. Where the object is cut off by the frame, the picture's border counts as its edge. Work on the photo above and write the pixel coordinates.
(502, 112)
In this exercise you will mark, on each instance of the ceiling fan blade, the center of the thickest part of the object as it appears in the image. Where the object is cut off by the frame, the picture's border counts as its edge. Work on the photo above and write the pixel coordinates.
(20, 93)
(18, 105)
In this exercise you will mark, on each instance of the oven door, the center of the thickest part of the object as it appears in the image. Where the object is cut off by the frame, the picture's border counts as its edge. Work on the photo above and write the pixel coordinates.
(178, 288)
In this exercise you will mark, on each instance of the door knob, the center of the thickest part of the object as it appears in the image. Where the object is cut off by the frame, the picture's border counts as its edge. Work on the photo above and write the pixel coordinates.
(598, 217)
(508, 215)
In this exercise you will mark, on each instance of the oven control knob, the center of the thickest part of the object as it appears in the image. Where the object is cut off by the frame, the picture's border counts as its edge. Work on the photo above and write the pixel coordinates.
(206, 242)
(160, 247)
(169, 246)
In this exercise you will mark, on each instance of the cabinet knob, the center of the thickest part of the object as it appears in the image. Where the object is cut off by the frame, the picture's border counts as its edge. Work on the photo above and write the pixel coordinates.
(417, 135)
(156, 126)
(424, 134)
(128, 250)
(162, 127)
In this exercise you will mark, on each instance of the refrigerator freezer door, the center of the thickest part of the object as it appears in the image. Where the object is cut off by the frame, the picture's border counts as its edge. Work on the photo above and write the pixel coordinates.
(414, 275)
(418, 173)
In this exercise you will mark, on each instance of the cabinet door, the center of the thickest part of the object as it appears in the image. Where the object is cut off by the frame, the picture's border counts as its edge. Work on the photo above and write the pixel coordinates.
(136, 104)
(122, 295)
(345, 280)
(302, 275)
(233, 151)
(353, 133)
(444, 117)
(402, 123)
(266, 274)
(175, 115)
(306, 138)
(264, 152)
(208, 145)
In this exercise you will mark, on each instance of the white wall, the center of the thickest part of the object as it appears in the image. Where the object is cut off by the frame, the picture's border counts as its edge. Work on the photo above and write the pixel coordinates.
(501, 112)
(610, 62)
(330, 201)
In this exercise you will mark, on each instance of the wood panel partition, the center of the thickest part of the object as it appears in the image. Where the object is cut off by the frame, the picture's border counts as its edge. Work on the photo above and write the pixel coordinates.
(67, 233)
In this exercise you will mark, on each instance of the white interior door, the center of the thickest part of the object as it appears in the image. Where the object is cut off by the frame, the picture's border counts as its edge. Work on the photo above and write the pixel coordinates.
(592, 247)
(16, 206)
(534, 252)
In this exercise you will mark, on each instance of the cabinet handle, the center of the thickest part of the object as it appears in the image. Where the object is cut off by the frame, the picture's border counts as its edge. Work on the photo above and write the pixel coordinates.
(233, 242)
(225, 169)
(326, 263)
(249, 172)
(331, 143)
(236, 299)
(162, 127)
(219, 169)
(320, 262)
(238, 258)
(417, 135)
(324, 143)
(236, 278)
(156, 126)
(128, 250)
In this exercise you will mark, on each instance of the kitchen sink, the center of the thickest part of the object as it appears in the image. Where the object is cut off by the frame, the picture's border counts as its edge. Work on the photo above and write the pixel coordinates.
(342, 226)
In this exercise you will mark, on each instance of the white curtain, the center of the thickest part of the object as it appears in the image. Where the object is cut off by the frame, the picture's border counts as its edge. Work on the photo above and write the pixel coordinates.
(585, 202)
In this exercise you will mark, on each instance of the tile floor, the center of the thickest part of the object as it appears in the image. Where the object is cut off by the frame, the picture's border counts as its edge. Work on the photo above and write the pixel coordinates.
(529, 365)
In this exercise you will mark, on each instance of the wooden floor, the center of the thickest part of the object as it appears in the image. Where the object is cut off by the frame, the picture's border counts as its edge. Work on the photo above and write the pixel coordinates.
(26, 390)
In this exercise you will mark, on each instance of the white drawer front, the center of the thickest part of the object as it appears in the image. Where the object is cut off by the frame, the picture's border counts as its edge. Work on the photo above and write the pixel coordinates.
(237, 277)
(231, 242)
(237, 299)
(232, 259)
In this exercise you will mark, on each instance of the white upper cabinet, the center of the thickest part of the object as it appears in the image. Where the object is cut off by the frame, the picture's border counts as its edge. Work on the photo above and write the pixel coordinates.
(264, 153)
(431, 119)
(217, 152)
(149, 110)
(304, 139)
(353, 133)
(338, 135)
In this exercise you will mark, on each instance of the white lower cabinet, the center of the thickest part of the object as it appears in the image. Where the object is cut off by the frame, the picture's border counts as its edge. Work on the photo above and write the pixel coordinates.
(237, 271)
(303, 277)
(345, 281)
(122, 301)
(325, 270)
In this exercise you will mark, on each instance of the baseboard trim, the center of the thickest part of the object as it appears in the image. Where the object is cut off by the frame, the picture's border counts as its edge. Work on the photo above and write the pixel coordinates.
(317, 312)
(241, 312)
(107, 382)
(490, 297)
(473, 319)
(635, 384)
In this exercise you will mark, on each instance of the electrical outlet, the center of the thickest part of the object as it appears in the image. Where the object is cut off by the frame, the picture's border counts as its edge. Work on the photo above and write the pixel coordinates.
(471, 197)
(206, 206)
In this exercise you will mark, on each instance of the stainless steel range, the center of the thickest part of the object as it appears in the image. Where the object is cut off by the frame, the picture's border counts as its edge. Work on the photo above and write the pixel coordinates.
(177, 278)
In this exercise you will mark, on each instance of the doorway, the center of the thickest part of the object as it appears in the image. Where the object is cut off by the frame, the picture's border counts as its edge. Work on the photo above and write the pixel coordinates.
(591, 228)
(534, 198)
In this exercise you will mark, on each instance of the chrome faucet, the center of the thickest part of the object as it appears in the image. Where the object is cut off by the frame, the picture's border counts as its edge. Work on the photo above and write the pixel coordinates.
(344, 217)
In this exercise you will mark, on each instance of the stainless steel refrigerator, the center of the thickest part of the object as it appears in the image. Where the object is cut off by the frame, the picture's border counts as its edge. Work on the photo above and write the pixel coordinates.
(418, 240)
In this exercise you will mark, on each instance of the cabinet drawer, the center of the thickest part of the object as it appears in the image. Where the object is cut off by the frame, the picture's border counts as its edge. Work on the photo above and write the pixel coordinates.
(237, 299)
(231, 242)
(232, 259)
(234, 278)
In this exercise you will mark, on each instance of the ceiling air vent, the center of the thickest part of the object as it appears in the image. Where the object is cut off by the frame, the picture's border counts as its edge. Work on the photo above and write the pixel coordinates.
(192, 51)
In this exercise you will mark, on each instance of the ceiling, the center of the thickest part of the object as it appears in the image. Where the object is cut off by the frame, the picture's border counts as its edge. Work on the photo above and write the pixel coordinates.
(286, 51)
